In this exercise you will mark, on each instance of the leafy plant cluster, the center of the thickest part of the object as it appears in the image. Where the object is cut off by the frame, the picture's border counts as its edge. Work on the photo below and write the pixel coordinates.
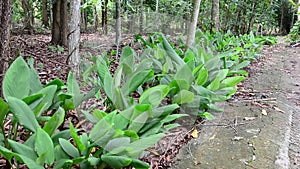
(141, 97)
(295, 32)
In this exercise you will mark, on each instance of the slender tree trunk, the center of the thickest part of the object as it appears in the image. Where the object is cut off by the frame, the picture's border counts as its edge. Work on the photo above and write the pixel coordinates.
(56, 24)
(252, 16)
(45, 20)
(60, 23)
(96, 18)
(5, 26)
(118, 22)
(74, 37)
(157, 16)
(193, 25)
(104, 16)
(141, 18)
(65, 20)
(27, 16)
(83, 22)
(215, 15)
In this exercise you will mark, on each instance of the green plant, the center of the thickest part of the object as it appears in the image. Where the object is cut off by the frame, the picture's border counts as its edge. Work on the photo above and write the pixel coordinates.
(26, 105)
(295, 32)
(118, 138)
(199, 79)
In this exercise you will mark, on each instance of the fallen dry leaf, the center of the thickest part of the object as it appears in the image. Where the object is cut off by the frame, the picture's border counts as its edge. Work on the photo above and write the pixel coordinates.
(194, 133)
(237, 138)
(279, 110)
(264, 112)
(249, 118)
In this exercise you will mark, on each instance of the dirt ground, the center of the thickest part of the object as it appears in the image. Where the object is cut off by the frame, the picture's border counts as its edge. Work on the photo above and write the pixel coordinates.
(260, 126)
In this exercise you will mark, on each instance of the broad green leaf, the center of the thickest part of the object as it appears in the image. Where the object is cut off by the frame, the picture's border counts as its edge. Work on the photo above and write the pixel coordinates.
(116, 162)
(138, 164)
(127, 58)
(76, 139)
(30, 163)
(171, 126)
(108, 86)
(102, 69)
(196, 70)
(137, 147)
(22, 149)
(35, 83)
(94, 161)
(44, 145)
(154, 95)
(138, 122)
(23, 113)
(16, 82)
(62, 134)
(202, 77)
(173, 117)
(224, 94)
(241, 65)
(74, 88)
(238, 72)
(60, 153)
(171, 52)
(214, 85)
(56, 82)
(184, 96)
(63, 162)
(136, 80)
(132, 134)
(117, 145)
(3, 111)
(33, 98)
(184, 77)
(213, 64)
(118, 76)
(232, 81)
(6, 153)
(165, 110)
(102, 132)
(55, 121)
(68, 148)
(90, 117)
(222, 74)
(120, 100)
(47, 100)
(206, 115)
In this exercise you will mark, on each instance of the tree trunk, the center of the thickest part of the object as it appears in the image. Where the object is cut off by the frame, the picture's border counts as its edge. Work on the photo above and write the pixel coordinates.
(56, 24)
(141, 18)
(83, 22)
(74, 37)
(5, 26)
(215, 15)
(104, 16)
(27, 16)
(252, 16)
(60, 23)
(193, 25)
(157, 15)
(96, 18)
(118, 22)
(45, 20)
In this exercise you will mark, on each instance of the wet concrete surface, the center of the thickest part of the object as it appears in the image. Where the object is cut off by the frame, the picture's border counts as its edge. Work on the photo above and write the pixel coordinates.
(262, 132)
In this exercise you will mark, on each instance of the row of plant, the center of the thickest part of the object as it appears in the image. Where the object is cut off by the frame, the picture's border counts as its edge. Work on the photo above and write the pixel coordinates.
(141, 97)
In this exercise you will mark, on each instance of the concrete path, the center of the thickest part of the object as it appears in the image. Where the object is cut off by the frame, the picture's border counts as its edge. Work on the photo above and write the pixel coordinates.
(262, 132)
